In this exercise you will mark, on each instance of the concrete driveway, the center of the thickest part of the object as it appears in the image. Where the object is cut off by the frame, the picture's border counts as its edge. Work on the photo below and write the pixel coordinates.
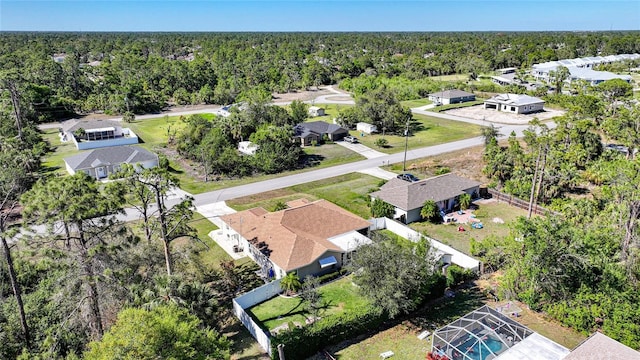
(365, 151)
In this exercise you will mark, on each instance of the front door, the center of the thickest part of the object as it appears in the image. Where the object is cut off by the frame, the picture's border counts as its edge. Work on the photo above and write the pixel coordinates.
(101, 172)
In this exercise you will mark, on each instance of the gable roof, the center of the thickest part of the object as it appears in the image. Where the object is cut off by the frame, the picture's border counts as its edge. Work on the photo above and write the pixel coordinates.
(601, 347)
(450, 94)
(93, 124)
(318, 127)
(296, 236)
(114, 155)
(412, 195)
(515, 99)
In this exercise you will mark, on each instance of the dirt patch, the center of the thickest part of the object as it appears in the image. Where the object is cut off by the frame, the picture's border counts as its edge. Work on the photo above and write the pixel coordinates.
(302, 95)
(479, 113)
(466, 163)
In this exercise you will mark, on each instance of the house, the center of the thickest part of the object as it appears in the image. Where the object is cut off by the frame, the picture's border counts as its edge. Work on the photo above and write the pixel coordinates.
(366, 128)
(316, 111)
(310, 238)
(542, 71)
(487, 333)
(601, 347)
(593, 77)
(514, 103)
(451, 97)
(316, 130)
(92, 134)
(247, 147)
(409, 197)
(100, 163)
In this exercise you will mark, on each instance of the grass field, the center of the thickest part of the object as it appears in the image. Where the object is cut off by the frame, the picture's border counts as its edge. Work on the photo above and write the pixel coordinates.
(54, 161)
(449, 234)
(339, 297)
(331, 111)
(416, 103)
(155, 132)
(433, 131)
(347, 191)
(453, 77)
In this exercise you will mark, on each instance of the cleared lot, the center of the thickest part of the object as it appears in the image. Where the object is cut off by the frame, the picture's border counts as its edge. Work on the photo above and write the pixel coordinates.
(479, 113)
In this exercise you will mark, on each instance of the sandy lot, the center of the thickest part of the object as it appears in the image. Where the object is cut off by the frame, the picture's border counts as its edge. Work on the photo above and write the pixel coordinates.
(479, 113)
(300, 95)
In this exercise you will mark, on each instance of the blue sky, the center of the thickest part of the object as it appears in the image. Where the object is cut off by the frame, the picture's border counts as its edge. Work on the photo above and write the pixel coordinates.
(318, 15)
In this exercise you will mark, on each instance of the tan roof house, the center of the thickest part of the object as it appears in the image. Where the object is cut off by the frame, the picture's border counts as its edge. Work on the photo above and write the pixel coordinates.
(310, 238)
(409, 197)
(601, 347)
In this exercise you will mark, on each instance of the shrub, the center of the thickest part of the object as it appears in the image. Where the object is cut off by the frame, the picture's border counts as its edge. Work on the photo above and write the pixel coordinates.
(381, 142)
(442, 170)
(457, 275)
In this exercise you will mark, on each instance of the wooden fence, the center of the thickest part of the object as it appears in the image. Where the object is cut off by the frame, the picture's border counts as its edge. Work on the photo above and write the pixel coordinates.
(514, 201)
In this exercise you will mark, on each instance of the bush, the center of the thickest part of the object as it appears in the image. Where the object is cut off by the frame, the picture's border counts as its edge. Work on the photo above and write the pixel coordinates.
(457, 275)
(331, 276)
(381, 142)
(300, 343)
(442, 170)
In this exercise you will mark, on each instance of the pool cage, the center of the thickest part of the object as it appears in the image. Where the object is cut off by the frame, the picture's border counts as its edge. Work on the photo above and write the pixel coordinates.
(482, 334)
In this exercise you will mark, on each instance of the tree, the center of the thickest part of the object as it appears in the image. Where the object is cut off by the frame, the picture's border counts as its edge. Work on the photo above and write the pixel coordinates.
(299, 111)
(290, 283)
(165, 332)
(465, 201)
(558, 76)
(430, 211)
(614, 90)
(85, 212)
(311, 295)
(129, 117)
(397, 284)
(380, 208)
(490, 132)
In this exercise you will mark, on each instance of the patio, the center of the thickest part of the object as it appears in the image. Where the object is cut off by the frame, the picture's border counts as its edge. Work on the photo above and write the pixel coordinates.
(460, 217)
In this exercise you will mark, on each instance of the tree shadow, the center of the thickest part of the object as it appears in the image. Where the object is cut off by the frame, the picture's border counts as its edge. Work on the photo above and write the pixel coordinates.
(310, 160)
(291, 312)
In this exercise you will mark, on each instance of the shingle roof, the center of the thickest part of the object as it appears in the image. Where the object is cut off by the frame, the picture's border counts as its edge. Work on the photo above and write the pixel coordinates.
(297, 236)
(515, 99)
(318, 127)
(412, 195)
(450, 94)
(601, 347)
(109, 156)
(92, 124)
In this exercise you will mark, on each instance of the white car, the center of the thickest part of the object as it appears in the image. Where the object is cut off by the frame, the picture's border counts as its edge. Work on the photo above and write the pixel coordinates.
(351, 139)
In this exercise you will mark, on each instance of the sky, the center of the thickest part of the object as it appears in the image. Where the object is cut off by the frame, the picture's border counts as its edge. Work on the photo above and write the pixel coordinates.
(319, 15)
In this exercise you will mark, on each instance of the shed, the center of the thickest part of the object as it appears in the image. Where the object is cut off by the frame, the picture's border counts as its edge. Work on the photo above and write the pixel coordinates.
(366, 128)
(316, 111)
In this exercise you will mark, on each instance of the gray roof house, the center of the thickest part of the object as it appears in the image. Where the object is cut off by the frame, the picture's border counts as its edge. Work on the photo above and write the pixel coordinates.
(315, 130)
(515, 103)
(601, 347)
(409, 197)
(451, 97)
(99, 163)
(92, 134)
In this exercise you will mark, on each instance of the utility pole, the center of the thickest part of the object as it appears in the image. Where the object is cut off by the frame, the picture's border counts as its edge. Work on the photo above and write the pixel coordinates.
(406, 144)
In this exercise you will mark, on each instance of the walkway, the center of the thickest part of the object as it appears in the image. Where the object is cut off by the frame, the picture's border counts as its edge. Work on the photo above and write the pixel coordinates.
(363, 150)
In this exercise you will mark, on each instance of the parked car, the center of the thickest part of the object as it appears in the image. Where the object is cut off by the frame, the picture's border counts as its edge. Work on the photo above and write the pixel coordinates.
(351, 139)
(407, 177)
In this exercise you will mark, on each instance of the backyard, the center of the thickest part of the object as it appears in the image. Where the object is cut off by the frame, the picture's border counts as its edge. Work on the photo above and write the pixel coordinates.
(495, 217)
(338, 297)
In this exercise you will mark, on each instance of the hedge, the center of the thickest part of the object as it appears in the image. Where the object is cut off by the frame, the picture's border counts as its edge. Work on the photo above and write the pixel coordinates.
(303, 342)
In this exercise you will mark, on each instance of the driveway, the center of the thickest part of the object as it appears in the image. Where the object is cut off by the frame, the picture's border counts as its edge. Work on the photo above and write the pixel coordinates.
(363, 150)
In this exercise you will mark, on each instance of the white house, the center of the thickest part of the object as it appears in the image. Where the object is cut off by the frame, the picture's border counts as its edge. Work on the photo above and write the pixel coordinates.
(100, 163)
(515, 103)
(451, 97)
(316, 111)
(247, 147)
(366, 128)
(93, 134)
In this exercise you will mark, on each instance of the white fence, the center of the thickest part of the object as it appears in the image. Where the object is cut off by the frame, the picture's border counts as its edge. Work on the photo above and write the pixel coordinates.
(254, 297)
(457, 257)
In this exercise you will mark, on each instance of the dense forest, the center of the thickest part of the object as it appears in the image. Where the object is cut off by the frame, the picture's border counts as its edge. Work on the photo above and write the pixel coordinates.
(62, 293)
(145, 72)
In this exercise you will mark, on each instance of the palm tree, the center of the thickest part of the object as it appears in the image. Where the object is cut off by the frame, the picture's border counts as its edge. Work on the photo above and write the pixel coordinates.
(430, 210)
(290, 283)
(465, 201)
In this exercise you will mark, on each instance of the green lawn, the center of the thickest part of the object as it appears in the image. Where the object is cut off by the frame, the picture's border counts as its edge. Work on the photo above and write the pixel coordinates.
(433, 131)
(347, 191)
(416, 103)
(54, 160)
(329, 155)
(339, 297)
(331, 111)
(442, 108)
(155, 132)
(449, 234)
